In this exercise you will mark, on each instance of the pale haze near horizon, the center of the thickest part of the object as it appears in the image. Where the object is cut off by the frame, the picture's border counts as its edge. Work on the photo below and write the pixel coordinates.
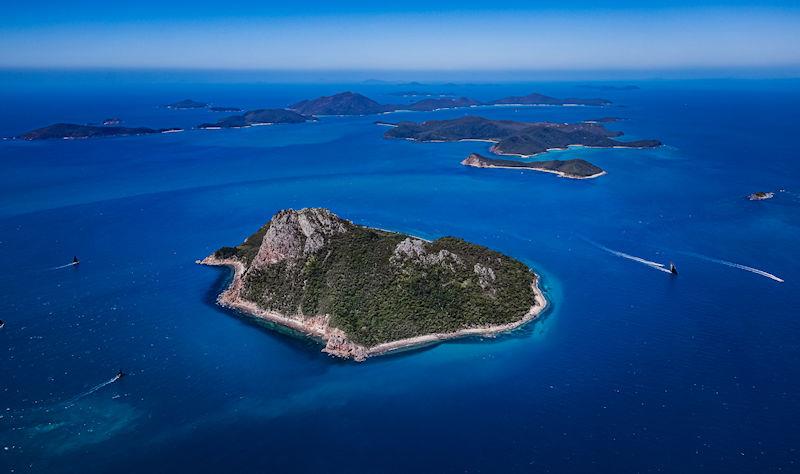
(552, 40)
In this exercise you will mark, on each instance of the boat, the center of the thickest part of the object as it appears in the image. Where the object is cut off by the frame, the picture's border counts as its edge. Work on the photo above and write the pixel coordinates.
(2, 324)
(75, 260)
(673, 269)
(119, 375)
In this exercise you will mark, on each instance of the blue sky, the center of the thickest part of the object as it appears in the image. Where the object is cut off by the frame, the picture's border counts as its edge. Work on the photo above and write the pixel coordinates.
(405, 35)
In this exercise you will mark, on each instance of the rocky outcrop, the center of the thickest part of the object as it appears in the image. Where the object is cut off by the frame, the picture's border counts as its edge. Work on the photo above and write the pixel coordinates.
(761, 196)
(413, 251)
(486, 276)
(295, 234)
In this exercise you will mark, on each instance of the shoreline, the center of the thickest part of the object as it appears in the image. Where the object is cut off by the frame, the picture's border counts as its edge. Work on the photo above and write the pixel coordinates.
(335, 340)
(560, 174)
(493, 149)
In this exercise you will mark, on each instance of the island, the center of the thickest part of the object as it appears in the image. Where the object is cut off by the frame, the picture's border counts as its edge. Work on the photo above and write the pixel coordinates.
(257, 117)
(523, 139)
(189, 104)
(603, 120)
(75, 131)
(186, 104)
(761, 196)
(224, 109)
(429, 105)
(574, 169)
(351, 103)
(422, 94)
(540, 99)
(364, 292)
(344, 103)
(607, 87)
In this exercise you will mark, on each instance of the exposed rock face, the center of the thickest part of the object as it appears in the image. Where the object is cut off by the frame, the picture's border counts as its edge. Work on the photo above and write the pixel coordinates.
(413, 250)
(294, 234)
(761, 196)
(476, 161)
(486, 276)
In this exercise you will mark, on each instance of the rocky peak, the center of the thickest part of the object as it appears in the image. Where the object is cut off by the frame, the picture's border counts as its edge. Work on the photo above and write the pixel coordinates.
(414, 250)
(486, 277)
(294, 234)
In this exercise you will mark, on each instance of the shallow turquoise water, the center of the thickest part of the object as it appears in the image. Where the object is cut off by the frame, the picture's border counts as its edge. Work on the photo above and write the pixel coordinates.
(631, 370)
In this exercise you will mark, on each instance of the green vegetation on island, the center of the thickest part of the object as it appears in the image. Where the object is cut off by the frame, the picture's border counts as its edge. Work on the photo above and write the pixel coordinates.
(576, 169)
(376, 286)
(258, 117)
(75, 131)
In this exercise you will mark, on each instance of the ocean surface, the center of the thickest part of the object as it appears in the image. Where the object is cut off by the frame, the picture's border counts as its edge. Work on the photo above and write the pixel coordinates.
(631, 370)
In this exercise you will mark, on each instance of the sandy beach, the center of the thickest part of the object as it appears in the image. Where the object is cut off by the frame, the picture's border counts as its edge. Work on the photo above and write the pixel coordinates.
(336, 341)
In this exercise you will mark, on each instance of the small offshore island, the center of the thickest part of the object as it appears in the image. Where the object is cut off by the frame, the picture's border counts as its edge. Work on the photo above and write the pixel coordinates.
(761, 196)
(253, 118)
(366, 292)
(574, 169)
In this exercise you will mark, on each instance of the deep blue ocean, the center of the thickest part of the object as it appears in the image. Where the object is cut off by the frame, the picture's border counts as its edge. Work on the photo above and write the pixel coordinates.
(631, 370)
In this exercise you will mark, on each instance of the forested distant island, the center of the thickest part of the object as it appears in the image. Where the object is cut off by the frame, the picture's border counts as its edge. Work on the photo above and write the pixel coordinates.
(365, 291)
(75, 131)
(422, 94)
(575, 169)
(515, 138)
(258, 117)
(607, 87)
(539, 99)
(189, 104)
(344, 103)
(351, 103)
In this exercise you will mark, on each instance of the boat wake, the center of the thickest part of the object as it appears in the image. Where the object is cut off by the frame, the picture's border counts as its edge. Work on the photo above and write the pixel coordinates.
(71, 264)
(737, 265)
(97, 387)
(649, 263)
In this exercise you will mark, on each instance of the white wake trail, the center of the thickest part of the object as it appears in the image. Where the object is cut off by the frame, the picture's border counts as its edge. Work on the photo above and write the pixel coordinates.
(649, 263)
(72, 264)
(74, 399)
(739, 266)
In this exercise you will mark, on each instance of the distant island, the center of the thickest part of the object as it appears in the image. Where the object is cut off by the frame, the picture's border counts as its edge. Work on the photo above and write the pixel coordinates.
(344, 103)
(539, 99)
(575, 169)
(351, 103)
(258, 117)
(422, 94)
(366, 292)
(428, 105)
(603, 120)
(76, 131)
(761, 196)
(189, 104)
(224, 109)
(523, 139)
(606, 87)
